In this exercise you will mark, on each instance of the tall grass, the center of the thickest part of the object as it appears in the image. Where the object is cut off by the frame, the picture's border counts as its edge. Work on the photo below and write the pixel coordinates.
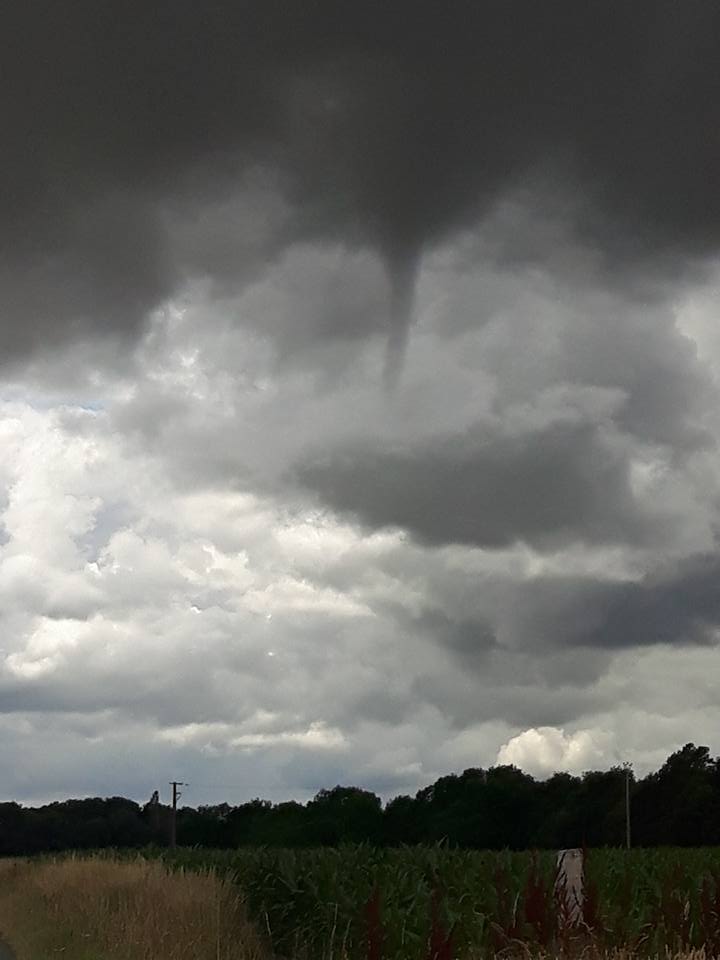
(100, 909)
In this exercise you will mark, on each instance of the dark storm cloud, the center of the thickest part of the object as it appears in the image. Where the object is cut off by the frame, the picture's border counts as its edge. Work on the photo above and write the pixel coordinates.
(467, 639)
(561, 484)
(555, 637)
(676, 603)
(680, 605)
(528, 702)
(387, 125)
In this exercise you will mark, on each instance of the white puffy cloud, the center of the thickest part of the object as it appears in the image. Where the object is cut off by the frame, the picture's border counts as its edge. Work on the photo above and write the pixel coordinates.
(543, 751)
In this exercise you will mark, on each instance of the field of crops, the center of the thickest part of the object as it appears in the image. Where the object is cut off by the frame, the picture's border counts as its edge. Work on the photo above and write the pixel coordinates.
(365, 903)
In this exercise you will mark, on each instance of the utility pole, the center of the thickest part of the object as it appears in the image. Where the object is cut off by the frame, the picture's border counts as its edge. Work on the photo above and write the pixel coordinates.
(173, 822)
(627, 804)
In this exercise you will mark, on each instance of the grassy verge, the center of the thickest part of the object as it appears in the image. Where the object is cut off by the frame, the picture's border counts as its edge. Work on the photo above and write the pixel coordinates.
(92, 909)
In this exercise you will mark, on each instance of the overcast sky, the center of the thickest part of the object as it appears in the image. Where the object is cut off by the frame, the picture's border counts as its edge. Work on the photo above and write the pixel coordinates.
(359, 392)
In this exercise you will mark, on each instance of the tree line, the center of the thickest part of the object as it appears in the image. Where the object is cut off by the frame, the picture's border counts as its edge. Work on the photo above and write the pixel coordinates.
(497, 808)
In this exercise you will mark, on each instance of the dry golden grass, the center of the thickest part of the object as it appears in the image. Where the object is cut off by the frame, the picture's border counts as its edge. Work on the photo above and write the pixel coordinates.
(96, 909)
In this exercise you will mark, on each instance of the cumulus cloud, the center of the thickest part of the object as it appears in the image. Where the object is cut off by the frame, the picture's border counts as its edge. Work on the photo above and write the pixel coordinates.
(547, 750)
(234, 636)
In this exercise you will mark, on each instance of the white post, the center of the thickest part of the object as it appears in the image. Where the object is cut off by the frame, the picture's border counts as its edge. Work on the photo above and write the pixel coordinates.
(570, 882)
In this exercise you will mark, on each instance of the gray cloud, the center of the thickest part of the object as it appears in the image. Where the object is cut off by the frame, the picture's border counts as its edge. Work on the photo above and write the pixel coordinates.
(674, 603)
(555, 485)
(670, 606)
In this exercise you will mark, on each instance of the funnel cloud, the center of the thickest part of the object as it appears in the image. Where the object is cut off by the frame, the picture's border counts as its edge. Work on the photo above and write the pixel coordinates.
(386, 127)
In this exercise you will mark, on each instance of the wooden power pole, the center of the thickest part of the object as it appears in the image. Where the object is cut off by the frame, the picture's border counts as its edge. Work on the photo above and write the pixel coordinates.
(173, 822)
